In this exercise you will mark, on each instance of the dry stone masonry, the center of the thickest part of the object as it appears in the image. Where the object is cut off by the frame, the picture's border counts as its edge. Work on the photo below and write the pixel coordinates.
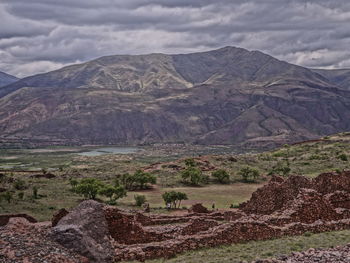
(283, 207)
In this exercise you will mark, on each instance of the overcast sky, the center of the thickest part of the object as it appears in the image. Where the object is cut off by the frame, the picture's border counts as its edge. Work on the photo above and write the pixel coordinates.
(42, 35)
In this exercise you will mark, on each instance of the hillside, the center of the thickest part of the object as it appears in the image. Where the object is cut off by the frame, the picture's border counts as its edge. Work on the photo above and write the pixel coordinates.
(225, 96)
(340, 77)
(6, 79)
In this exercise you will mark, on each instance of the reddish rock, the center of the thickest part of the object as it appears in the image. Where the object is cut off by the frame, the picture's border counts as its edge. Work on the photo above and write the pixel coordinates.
(58, 216)
(199, 208)
(4, 219)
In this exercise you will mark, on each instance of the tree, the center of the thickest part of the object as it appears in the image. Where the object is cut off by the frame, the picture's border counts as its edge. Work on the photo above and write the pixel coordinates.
(89, 187)
(138, 180)
(192, 175)
(73, 182)
(112, 192)
(139, 200)
(142, 179)
(248, 174)
(174, 198)
(221, 176)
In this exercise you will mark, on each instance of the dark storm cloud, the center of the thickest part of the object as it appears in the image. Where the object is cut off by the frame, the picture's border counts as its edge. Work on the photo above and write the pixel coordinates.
(41, 35)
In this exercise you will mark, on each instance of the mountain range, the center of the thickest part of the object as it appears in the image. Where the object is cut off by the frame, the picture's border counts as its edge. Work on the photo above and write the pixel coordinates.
(224, 96)
(6, 79)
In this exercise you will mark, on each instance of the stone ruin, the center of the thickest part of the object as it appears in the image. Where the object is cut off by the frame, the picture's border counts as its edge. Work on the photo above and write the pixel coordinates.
(283, 207)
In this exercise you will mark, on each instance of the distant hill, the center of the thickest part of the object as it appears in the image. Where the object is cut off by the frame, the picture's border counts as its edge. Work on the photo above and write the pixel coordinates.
(6, 79)
(225, 96)
(340, 77)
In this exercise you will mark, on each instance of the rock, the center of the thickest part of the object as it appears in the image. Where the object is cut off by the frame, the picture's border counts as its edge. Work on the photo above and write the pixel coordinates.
(4, 219)
(198, 208)
(58, 216)
(85, 230)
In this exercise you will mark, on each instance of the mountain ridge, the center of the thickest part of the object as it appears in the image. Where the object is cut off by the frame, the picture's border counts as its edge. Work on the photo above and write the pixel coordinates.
(6, 79)
(225, 96)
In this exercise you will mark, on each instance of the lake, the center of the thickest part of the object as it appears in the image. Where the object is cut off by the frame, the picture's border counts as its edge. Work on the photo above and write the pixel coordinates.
(110, 150)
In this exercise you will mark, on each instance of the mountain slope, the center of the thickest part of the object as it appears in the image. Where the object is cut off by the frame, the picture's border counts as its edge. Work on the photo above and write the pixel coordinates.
(225, 96)
(340, 77)
(6, 79)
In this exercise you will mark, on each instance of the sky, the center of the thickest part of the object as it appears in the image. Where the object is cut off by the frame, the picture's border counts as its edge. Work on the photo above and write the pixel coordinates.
(42, 35)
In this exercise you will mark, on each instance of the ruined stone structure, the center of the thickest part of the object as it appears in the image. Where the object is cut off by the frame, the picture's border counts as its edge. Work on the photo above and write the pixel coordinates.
(283, 207)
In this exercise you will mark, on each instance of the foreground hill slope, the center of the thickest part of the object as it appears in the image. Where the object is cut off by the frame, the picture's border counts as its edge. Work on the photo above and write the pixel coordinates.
(225, 96)
(6, 79)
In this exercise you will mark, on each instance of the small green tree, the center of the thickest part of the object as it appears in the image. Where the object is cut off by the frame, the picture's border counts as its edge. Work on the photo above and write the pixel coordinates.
(174, 198)
(138, 180)
(142, 179)
(89, 187)
(139, 200)
(73, 183)
(249, 174)
(221, 176)
(112, 192)
(192, 175)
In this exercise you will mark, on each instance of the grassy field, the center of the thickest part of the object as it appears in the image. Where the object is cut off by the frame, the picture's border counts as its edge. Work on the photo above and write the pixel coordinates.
(309, 159)
(254, 250)
(220, 195)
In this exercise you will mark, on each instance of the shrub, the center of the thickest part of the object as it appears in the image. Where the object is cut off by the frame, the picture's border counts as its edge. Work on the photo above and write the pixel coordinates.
(174, 198)
(7, 196)
(35, 192)
(73, 183)
(19, 184)
(139, 200)
(20, 195)
(190, 162)
(248, 174)
(342, 157)
(221, 176)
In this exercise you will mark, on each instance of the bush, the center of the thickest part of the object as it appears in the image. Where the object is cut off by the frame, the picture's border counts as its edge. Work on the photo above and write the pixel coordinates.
(35, 192)
(174, 198)
(7, 196)
(342, 157)
(19, 184)
(139, 200)
(73, 183)
(190, 162)
(249, 174)
(221, 176)
(20, 195)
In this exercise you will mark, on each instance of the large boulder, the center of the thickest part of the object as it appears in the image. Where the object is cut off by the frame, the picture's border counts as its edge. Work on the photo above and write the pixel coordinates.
(85, 230)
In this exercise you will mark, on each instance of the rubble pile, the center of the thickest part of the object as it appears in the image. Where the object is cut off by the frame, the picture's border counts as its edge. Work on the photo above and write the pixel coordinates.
(337, 254)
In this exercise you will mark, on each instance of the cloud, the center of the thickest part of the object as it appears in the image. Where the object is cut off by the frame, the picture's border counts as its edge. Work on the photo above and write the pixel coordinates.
(41, 35)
